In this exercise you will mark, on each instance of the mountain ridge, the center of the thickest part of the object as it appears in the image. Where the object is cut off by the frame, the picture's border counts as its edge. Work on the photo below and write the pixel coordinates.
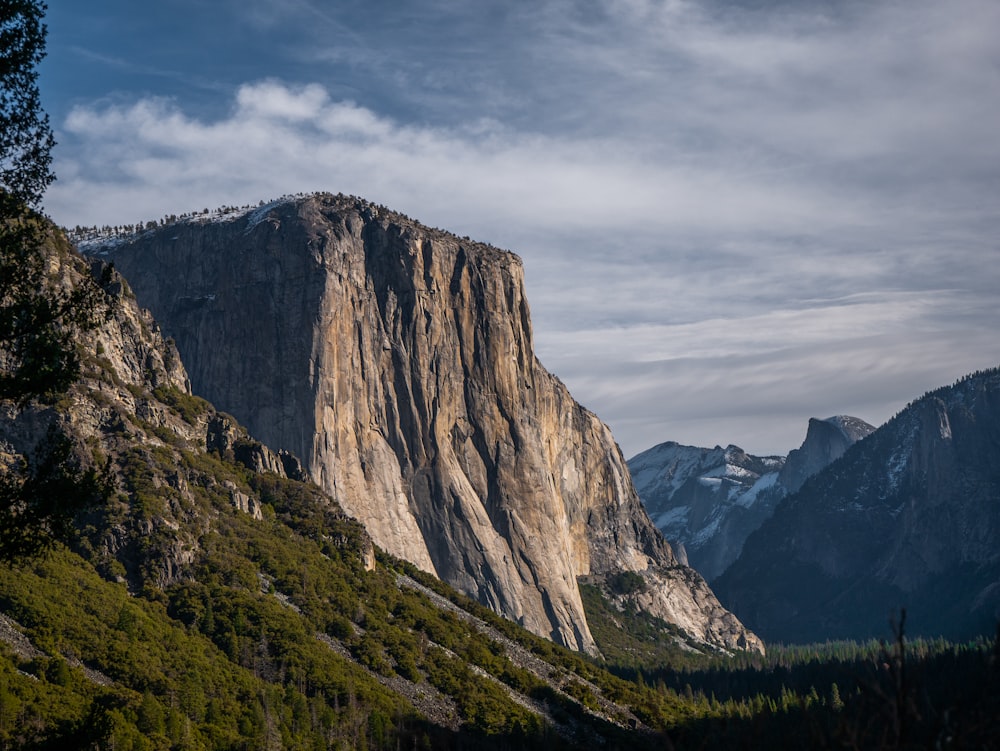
(213, 600)
(906, 517)
(214, 603)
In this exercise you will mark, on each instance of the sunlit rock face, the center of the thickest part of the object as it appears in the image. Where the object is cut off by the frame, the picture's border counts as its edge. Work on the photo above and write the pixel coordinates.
(396, 361)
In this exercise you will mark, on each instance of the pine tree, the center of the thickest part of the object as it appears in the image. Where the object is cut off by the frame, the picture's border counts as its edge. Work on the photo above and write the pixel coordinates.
(39, 319)
(38, 356)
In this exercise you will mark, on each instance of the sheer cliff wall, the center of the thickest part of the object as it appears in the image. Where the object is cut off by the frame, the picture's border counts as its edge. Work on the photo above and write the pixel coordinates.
(396, 361)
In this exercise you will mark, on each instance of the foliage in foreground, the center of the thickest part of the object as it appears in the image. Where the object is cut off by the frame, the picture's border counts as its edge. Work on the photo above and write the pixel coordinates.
(874, 695)
(40, 319)
(213, 630)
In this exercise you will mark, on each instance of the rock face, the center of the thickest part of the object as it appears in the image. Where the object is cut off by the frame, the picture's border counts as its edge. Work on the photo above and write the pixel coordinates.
(397, 362)
(123, 412)
(908, 517)
(826, 440)
(710, 500)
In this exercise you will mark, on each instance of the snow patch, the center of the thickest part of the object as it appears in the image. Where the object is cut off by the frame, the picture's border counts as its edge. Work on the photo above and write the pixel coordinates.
(766, 482)
(672, 518)
(706, 533)
(260, 214)
(900, 459)
(101, 240)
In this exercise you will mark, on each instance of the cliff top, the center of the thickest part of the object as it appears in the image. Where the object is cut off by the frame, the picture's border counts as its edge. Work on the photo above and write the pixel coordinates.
(99, 240)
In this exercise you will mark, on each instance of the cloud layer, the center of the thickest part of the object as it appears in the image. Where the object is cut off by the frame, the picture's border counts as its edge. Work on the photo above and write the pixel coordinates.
(732, 217)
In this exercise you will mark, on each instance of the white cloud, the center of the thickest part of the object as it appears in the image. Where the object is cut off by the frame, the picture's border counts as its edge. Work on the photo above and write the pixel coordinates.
(273, 100)
(278, 135)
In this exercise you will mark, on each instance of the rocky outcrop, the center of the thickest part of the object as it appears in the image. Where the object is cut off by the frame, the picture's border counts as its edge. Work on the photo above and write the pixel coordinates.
(226, 437)
(397, 362)
(131, 412)
(907, 517)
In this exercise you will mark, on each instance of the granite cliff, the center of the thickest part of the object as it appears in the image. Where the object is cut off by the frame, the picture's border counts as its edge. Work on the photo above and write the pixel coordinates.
(202, 568)
(826, 441)
(397, 362)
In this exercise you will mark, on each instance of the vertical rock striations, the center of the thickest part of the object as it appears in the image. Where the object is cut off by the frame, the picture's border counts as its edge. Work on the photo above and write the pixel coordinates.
(397, 362)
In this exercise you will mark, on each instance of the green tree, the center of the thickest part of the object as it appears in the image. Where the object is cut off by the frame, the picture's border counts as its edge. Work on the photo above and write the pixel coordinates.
(39, 497)
(40, 318)
(26, 140)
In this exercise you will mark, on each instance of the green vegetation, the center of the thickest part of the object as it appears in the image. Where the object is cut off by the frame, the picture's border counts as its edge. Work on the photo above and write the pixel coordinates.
(902, 694)
(216, 628)
(190, 407)
(39, 496)
(172, 686)
(627, 583)
(879, 695)
(635, 639)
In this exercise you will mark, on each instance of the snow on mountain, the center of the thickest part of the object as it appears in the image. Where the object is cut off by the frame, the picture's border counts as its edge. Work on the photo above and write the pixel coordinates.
(694, 495)
(102, 240)
(710, 500)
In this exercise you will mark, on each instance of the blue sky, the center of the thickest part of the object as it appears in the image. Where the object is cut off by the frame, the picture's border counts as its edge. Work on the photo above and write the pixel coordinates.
(733, 216)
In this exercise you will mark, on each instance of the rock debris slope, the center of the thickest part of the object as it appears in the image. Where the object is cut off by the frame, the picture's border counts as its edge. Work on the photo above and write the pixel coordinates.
(397, 362)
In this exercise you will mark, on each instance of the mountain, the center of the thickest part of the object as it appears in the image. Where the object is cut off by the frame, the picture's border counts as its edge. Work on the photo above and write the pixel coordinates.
(908, 517)
(707, 501)
(213, 599)
(396, 361)
(826, 441)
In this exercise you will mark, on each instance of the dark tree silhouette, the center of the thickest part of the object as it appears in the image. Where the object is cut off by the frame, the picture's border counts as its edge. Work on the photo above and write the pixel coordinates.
(25, 137)
(40, 317)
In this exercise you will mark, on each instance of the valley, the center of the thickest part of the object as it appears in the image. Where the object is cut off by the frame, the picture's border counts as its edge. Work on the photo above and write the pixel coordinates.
(221, 599)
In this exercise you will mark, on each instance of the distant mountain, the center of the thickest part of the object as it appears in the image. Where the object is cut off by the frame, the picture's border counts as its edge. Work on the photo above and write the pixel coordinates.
(707, 501)
(908, 517)
(826, 440)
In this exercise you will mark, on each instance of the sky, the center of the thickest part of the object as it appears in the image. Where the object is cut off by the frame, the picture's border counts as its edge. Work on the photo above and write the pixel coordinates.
(733, 215)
